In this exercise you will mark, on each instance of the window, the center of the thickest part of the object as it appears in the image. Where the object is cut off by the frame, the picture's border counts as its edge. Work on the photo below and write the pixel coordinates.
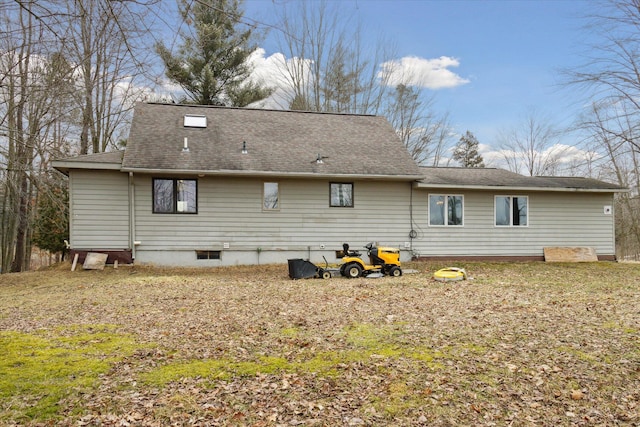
(512, 211)
(207, 254)
(341, 194)
(175, 196)
(270, 196)
(445, 210)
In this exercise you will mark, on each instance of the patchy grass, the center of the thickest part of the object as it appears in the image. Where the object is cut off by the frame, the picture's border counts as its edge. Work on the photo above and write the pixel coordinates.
(519, 344)
(38, 369)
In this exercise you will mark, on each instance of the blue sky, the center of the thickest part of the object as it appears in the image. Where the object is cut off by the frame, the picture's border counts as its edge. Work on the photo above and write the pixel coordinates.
(509, 52)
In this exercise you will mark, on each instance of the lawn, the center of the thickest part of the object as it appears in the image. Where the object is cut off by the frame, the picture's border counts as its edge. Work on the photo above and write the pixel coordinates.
(517, 344)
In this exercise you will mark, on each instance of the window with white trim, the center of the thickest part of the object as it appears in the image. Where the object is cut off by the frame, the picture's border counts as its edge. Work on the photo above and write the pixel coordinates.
(511, 211)
(270, 196)
(446, 210)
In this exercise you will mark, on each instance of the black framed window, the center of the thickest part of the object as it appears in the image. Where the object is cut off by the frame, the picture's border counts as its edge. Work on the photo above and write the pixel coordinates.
(341, 194)
(175, 196)
(208, 255)
(512, 211)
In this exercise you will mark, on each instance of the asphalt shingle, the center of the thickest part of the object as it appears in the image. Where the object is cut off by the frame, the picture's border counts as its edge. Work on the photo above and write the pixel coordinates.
(490, 177)
(282, 142)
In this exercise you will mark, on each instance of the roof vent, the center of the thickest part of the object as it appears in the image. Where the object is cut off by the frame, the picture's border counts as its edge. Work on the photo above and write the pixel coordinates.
(192, 121)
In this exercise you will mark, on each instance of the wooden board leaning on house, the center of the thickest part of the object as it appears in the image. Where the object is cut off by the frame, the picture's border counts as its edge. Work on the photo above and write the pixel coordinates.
(95, 261)
(570, 254)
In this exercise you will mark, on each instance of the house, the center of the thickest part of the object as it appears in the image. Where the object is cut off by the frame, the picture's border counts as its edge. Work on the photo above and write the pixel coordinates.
(211, 186)
(496, 214)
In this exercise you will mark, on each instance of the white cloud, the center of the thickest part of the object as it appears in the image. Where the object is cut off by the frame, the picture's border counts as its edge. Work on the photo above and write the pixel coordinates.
(275, 70)
(421, 72)
(563, 159)
(271, 71)
(568, 154)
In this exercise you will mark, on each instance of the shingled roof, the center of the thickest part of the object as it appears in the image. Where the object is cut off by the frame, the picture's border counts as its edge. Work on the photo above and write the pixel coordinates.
(492, 178)
(111, 160)
(288, 143)
(277, 143)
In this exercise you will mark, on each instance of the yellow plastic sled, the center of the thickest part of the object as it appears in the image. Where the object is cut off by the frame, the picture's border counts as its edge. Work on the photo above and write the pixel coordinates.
(450, 274)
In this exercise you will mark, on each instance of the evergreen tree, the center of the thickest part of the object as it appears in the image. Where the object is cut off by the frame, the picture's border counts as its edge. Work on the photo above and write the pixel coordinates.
(52, 223)
(466, 152)
(211, 63)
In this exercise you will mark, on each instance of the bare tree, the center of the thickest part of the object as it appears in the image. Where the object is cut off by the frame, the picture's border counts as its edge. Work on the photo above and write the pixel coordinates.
(610, 78)
(532, 146)
(329, 68)
(610, 131)
(426, 135)
(104, 43)
(42, 104)
(611, 73)
(31, 97)
(324, 72)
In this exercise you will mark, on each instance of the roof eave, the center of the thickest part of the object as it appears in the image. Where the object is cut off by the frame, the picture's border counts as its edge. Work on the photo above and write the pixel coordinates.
(521, 188)
(272, 174)
(65, 166)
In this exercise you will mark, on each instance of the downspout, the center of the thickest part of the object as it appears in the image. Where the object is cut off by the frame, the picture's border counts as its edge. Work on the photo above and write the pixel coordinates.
(132, 216)
(613, 227)
(412, 233)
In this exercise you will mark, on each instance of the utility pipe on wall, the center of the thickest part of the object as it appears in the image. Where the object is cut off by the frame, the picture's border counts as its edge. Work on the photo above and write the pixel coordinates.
(132, 216)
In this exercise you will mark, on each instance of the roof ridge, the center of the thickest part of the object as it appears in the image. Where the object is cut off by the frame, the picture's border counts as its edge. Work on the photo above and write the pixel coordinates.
(461, 167)
(224, 107)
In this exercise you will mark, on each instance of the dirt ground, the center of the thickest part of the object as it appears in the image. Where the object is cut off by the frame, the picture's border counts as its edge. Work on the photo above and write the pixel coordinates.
(516, 344)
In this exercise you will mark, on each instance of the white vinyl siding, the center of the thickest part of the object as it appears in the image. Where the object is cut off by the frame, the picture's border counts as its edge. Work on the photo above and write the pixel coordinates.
(556, 219)
(230, 210)
(99, 203)
(231, 219)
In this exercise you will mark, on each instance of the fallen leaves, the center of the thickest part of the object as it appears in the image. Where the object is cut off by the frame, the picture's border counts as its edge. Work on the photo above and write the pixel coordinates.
(516, 346)
(577, 394)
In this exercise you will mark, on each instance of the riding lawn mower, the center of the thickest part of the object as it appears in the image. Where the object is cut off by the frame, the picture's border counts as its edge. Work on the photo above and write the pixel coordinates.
(382, 261)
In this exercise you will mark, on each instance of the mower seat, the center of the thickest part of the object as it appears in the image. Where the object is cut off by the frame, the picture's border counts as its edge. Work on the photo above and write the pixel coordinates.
(347, 252)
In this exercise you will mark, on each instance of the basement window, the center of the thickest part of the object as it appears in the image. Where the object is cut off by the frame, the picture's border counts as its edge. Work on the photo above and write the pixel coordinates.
(207, 254)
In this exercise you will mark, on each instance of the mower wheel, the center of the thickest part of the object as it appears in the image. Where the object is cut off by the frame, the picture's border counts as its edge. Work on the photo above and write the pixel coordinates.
(325, 274)
(353, 270)
(395, 271)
